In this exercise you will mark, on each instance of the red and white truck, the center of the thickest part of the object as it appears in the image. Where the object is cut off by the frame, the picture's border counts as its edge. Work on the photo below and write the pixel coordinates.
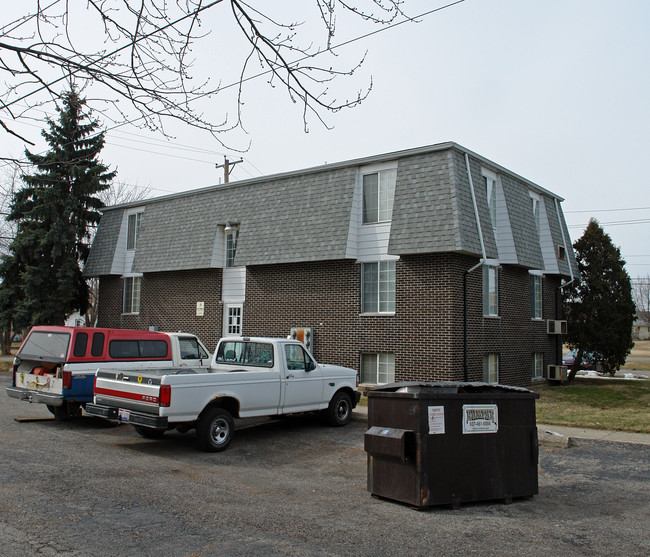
(247, 377)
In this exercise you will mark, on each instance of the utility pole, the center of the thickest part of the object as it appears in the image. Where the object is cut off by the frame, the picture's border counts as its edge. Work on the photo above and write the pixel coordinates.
(227, 167)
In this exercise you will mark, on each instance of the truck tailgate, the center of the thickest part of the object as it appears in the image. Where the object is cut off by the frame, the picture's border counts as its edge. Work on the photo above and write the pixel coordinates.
(128, 390)
(42, 383)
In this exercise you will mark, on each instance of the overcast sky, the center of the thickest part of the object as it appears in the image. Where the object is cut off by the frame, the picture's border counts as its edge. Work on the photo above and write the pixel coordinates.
(557, 91)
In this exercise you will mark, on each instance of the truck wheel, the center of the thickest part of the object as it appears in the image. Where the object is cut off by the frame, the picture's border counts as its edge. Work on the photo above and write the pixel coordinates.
(215, 430)
(149, 432)
(339, 410)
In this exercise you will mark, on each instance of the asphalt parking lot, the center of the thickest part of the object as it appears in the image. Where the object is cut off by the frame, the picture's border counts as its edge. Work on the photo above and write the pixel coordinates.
(288, 487)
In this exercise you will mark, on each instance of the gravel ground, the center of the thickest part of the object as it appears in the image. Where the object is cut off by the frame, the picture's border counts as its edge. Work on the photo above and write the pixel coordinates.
(289, 487)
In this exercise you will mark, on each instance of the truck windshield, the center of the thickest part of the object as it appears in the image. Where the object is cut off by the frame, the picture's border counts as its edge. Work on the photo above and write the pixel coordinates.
(245, 353)
(44, 345)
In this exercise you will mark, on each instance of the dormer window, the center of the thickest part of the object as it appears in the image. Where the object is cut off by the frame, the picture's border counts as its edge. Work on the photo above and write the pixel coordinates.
(232, 234)
(378, 195)
(133, 230)
(490, 182)
(535, 201)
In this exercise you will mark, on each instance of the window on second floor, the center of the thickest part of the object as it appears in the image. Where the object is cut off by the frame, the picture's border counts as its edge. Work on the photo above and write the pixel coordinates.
(490, 290)
(535, 201)
(536, 296)
(133, 230)
(490, 183)
(378, 287)
(378, 195)
(231, 246)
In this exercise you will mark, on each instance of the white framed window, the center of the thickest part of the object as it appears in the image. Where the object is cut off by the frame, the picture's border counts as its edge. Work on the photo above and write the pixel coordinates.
(536, 295)
(378, 287)
(377, 369)
(538, 365)
(535, 201)
(490, 290)
(231, 246)
(491, 368)
(233, 320)
(132, 287)
(378, 195)
(490, 183)
(133, 230)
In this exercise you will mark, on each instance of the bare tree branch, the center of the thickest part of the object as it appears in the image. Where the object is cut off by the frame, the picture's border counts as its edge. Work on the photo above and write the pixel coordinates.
(136, 57)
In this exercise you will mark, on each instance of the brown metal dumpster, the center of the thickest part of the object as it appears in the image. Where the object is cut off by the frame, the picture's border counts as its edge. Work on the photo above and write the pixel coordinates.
(450, 443)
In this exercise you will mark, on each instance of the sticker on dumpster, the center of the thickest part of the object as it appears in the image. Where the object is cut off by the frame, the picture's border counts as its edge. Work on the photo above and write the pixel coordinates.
(436, 420)
(480, 418)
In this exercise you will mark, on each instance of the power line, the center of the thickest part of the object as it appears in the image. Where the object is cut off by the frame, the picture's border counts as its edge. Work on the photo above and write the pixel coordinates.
(608, 210)
(614, 223)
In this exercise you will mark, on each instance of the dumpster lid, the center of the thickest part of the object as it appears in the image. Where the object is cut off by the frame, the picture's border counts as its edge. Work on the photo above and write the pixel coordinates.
(447, 387)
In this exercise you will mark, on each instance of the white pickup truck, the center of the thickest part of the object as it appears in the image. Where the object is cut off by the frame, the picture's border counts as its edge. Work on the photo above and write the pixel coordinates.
(247, 377)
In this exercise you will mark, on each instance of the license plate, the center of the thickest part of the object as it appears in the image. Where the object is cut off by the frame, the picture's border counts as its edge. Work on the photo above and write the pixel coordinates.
(123, 415)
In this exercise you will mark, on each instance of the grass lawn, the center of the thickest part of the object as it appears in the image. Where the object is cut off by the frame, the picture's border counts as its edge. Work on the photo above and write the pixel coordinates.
(617, 404)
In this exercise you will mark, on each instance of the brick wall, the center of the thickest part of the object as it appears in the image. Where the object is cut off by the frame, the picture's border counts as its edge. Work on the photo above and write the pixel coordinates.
(426, 334)
(168, 301)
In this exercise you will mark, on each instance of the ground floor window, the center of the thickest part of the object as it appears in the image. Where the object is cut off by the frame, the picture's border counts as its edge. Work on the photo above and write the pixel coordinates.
(378, 368)
(491, 368)
(538, 365)
(132, 294)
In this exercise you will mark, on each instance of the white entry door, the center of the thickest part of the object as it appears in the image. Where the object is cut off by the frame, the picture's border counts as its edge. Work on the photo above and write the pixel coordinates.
(232, 319)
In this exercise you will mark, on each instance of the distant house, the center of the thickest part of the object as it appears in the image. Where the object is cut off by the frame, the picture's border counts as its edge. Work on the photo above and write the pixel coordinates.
(641, 329)
(427, 264)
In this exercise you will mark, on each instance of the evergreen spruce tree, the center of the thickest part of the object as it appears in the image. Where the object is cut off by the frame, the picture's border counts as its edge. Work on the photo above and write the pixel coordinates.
(42, 277)
(599, 306)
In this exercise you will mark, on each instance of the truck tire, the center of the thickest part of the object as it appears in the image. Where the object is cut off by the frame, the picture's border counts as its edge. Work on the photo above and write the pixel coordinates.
(215, 430)
(149, 432)
(339, 410)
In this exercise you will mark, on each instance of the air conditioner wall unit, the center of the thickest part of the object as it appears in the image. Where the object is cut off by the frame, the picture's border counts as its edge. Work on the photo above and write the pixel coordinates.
(556, 327)
(557, 373)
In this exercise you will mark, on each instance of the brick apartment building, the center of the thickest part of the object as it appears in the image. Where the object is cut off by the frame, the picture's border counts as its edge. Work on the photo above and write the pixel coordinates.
(427, 264)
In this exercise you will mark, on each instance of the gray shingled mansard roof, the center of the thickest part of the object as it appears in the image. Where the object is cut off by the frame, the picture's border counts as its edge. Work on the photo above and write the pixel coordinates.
(305, 215)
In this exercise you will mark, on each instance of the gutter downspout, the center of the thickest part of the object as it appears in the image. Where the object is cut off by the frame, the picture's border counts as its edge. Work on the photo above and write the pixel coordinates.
(471, 269)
